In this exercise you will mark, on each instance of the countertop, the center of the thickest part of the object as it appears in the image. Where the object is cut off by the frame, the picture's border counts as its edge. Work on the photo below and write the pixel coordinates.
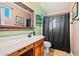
(10, 46)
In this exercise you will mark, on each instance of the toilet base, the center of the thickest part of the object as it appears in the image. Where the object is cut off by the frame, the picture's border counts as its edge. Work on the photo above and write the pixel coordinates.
(46, 50)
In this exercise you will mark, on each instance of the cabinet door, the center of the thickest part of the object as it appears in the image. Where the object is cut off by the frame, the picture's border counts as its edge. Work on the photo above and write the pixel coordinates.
(38, 51)
(42, 50)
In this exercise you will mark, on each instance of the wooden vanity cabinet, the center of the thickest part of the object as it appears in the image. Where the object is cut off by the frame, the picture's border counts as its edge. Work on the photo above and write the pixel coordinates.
(35, 49)
(39, 48)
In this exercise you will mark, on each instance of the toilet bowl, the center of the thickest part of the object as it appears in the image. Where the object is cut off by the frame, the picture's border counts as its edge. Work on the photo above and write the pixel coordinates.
(47, 45)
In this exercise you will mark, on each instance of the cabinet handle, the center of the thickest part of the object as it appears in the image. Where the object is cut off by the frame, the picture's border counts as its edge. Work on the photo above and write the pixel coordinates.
(24, 47)
(21, 49)
(18, 50)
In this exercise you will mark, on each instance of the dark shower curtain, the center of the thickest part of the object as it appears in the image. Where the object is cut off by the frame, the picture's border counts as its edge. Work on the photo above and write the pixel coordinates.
(56, 30)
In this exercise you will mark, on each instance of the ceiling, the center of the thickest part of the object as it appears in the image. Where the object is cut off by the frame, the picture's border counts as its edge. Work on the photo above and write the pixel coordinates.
(54, 7)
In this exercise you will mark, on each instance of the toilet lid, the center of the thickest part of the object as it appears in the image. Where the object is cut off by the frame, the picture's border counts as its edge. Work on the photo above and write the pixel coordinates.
(47, 42)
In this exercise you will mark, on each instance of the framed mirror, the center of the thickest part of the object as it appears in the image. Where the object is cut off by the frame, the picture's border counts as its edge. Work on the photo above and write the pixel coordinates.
(14, 16)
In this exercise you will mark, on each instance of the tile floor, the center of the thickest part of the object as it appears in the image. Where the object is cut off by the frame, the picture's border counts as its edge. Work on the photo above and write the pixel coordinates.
(54, 52)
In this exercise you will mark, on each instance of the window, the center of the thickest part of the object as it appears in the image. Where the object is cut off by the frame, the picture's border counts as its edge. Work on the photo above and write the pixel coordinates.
(5, 14)
(5, 11)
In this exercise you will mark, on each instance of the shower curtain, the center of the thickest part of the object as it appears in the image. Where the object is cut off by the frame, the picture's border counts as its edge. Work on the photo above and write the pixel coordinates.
(56, 30)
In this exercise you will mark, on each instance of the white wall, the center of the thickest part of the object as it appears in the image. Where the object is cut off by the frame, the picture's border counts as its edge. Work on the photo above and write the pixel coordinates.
(74, 36)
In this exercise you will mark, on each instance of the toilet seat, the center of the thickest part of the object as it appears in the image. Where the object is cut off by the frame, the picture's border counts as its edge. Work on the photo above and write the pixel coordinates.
(47, 42)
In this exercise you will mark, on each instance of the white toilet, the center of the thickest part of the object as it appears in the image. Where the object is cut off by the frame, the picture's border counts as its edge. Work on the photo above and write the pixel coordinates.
(47, 45)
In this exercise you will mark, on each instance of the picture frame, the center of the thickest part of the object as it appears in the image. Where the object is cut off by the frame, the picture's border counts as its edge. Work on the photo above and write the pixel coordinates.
(39, 20)
(75, 10)
(20, 21)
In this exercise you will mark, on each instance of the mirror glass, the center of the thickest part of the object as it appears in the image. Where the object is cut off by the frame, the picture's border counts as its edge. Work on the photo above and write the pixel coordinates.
(14, 16)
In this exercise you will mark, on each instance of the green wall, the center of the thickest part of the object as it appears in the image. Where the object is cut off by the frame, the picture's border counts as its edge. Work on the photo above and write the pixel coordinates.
(38, 10)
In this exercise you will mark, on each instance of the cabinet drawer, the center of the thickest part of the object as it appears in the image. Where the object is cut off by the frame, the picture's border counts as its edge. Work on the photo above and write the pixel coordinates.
(39, 43)
(25, 49)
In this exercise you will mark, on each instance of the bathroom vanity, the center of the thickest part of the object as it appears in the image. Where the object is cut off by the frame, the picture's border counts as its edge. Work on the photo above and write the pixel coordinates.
(33, 46)
(35, 49)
